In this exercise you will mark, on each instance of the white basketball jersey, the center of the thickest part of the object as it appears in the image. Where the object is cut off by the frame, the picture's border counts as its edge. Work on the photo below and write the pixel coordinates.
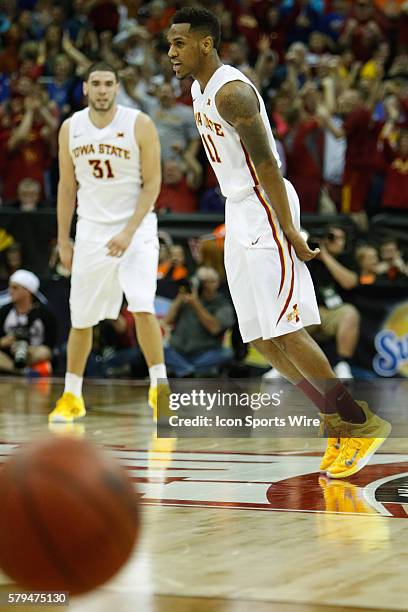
(107, 166)
(225, 151)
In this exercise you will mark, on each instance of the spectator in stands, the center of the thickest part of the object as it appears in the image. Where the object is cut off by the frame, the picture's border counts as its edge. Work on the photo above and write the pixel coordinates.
(65, 89)
(172, 273)
(395, 195)
(103, 15)
(165, 242)
(392, 263)
(26, 25)
(275, 26)
(367, 261)
(128, 90)
(200, 317)
(28, 195)
(334, 160)
(333, 21)
(28, 146)
(29, 60)
(361, 134)
(13, 259)
(88, 43)
(50, 47)
(159, 16)
(9, 56)
(361, 31)
(28, 328)
(175, 125)
(78, 19)
(302, 18)
(266, 68)
(333, 277)
(180, 183)
(238, 53)
(304, 151)
(319, 46)
(211, 255)
(249, 30)
(296, 66)
(120, 353)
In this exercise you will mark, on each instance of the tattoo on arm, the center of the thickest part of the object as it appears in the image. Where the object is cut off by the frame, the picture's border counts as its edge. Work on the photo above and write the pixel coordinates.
(238, 104)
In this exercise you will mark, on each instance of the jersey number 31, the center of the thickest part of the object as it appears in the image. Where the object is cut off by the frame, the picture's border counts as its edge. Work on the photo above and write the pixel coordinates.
(101, 169)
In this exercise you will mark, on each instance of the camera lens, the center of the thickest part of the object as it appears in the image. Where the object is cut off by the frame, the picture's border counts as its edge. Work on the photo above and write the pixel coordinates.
(20, 353)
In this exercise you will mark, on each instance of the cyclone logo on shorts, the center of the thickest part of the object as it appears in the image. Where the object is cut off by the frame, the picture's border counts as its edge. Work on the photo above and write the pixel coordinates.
(392, 344)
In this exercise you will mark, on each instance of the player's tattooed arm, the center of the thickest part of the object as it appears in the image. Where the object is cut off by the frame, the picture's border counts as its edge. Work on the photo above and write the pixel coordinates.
(238, 105)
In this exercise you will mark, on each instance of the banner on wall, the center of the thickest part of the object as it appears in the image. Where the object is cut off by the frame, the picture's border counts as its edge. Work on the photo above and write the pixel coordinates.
(383, 344)
(391, 343)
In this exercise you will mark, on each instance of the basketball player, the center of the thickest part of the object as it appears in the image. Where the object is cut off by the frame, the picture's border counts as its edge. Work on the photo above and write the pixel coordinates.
(109, 158)
(264, 252)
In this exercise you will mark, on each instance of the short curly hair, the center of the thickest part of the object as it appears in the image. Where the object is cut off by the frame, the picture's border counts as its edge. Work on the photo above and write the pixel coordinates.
(200, 20)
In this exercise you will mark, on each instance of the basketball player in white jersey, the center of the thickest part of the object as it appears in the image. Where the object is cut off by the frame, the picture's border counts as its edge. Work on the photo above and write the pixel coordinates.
(264, 251)
(109, 158)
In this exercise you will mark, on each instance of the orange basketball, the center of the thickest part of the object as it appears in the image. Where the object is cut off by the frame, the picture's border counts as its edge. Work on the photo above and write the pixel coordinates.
(69, 516)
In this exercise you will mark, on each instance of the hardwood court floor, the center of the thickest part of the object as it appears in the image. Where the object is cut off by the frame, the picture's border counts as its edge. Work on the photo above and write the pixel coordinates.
(233, 525)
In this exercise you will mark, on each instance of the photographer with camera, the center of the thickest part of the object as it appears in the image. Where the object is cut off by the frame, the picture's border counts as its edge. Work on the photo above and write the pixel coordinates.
(200, 316)
(28, 328)
(333, 278)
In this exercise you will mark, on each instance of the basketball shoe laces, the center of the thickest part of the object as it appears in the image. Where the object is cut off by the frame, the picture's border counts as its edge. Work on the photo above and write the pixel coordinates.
(350, 448)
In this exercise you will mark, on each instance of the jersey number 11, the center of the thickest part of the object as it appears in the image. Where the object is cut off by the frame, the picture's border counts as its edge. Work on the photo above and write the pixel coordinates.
(211, 148)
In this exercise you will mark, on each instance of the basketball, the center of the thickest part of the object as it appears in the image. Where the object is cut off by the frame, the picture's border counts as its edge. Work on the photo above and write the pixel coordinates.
(69, 516)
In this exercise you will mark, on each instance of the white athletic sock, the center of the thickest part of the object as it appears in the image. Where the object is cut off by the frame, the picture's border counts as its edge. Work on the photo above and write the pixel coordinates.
(157, 372)
(73, 384)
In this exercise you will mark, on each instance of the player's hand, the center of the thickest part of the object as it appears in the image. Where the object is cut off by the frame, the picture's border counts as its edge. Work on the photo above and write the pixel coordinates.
(119, 243)
(302, 249)
(66, 252)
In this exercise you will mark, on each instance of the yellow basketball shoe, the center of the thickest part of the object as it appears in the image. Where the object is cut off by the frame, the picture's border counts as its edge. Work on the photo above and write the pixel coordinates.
(330, 424)
(330, 454)
(356, 451)
(159, 398)
(68, 408)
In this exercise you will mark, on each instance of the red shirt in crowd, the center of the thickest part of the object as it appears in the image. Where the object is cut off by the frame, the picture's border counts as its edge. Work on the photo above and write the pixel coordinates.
(178, 198)
(29, 160)
(361, 140)
(396, 178)
(105, 16)
(305, 163)
(362, 42)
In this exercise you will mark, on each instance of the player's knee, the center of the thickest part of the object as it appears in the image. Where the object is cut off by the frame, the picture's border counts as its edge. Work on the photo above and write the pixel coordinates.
(287, 343)
(281, 342)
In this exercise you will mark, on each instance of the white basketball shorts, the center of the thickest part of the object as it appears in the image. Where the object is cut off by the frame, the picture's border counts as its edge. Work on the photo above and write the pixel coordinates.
(271, 288)
(98, 280)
